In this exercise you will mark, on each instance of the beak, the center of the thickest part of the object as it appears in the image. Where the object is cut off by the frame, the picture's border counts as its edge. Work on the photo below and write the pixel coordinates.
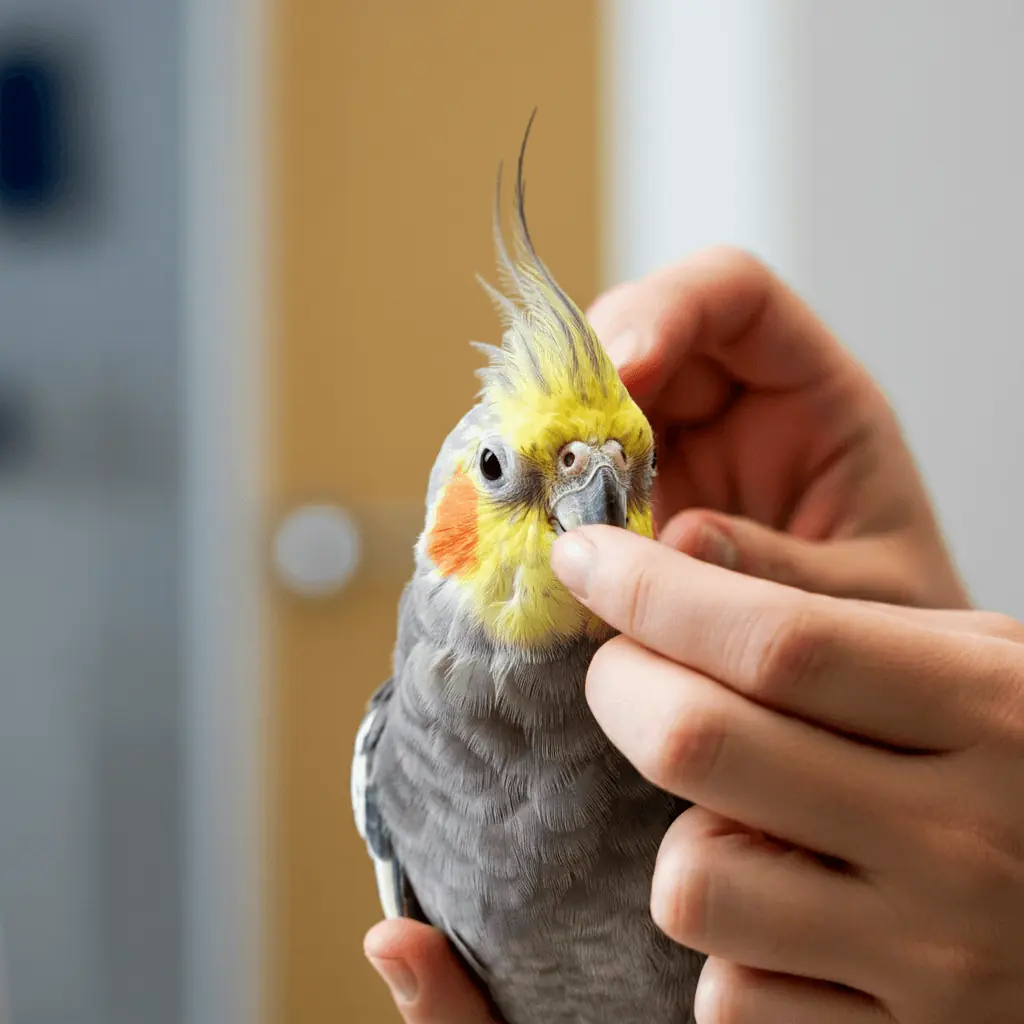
(600, 499)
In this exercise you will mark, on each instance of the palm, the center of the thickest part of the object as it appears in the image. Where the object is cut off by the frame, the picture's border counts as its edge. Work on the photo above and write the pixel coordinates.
(760, 414)
(798, 461)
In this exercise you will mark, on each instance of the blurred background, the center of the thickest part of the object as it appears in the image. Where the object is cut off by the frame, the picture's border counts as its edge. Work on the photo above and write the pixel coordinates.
(237, 247)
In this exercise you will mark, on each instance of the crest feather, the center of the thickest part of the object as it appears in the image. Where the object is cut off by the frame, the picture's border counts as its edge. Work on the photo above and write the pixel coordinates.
(547, 346)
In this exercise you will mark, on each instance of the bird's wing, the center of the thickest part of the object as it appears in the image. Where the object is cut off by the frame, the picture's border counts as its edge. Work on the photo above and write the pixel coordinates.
(396, 896)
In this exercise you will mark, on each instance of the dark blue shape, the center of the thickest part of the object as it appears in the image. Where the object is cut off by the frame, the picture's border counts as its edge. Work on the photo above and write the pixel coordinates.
(30, 137)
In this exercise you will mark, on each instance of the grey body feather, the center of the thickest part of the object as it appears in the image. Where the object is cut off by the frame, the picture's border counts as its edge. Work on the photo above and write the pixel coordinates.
(522, 833)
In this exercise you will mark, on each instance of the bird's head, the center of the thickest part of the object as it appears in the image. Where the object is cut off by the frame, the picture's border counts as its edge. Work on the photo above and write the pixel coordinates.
(554, 443)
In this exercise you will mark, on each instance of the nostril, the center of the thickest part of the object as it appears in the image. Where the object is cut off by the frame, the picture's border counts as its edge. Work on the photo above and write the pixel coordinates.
(615, 451)
(573, 459)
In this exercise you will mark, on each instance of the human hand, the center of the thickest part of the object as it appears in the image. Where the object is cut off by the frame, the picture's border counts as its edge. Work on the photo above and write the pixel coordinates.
(857, 849)
(778, 454)
(427, 983)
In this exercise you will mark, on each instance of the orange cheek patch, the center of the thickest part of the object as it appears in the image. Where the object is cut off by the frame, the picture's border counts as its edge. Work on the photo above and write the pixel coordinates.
(451, 544)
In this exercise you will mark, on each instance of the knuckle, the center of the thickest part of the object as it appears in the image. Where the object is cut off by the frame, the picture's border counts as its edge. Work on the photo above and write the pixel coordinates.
(955, 972)
(788, 654)
(1002, 717)
(998, 625)
(611, 307)
(961, 952)
(735, 259)
(686, 750)
(990, 857)
(980, 855)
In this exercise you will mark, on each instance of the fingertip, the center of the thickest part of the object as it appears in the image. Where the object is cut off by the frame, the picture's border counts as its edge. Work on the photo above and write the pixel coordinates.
(377, 938)
(614, 540)
(683, 530)
(381, 939)
(702, 536)
(573, 558)
(387, 947)
(596, 540)
(607, 312)
(426, 979)
(712, 989)
(402, 938)
(620, 319)
(624, 347)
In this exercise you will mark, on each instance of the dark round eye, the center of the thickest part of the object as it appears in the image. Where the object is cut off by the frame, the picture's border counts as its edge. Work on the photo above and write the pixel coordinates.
(568, 459)
(490, 466)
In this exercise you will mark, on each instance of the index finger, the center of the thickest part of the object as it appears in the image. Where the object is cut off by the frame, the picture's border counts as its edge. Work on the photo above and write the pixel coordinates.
(723, 304)
(837, 663)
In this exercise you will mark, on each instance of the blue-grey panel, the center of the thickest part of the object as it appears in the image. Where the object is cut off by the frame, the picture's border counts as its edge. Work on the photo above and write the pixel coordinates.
(90, 349)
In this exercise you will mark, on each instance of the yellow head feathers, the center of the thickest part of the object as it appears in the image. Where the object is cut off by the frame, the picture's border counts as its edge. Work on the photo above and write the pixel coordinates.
(550, 374)
(558, 442)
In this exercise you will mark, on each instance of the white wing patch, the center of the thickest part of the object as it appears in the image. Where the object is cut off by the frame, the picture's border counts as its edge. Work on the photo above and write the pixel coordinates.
(388, 886)
(360, 771)
(386, 870)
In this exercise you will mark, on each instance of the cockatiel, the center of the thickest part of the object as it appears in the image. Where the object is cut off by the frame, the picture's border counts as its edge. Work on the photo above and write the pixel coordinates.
(492, 804)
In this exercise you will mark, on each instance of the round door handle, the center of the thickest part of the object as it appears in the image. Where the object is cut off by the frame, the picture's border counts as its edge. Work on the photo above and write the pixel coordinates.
(317, 550)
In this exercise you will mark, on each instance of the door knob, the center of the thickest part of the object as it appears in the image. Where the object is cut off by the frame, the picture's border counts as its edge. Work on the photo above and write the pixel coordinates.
(317, 550)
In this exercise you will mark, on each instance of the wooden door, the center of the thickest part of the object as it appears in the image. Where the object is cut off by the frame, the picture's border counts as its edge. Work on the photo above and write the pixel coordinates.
(389, 118)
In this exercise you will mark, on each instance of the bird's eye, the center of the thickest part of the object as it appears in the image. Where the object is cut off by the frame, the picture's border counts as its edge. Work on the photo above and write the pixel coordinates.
(490, 466)
(654, 459)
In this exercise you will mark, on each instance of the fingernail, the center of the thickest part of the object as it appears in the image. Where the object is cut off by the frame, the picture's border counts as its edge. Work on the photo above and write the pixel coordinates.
(623, 348)
(399, 977)
(718, 549)
(572, 558)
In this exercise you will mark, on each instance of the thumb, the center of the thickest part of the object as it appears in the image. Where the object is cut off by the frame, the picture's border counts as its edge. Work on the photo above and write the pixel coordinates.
(428, 984)
(869, 568)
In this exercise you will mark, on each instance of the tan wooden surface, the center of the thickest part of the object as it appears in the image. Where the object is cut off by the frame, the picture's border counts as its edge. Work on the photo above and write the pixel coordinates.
(388, 120)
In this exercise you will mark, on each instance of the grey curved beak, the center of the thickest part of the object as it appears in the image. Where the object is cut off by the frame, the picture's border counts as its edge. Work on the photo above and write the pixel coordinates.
(600, 500)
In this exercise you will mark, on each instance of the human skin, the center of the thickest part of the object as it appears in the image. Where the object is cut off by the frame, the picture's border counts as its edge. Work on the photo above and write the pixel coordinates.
(804, 667)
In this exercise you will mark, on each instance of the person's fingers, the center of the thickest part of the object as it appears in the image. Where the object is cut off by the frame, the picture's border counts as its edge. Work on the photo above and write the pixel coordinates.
(970, 621)
(726, 891)
(839, 663)
(694, 396)
(866, 568)
(741, 995)
(723, 304)
(428, 984)
(693, 737)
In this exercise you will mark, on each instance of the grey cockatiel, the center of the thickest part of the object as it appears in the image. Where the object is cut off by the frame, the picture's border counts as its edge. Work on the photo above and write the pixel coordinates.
(492, 804)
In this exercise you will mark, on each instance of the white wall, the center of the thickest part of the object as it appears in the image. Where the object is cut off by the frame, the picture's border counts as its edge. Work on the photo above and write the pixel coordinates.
(874, 153)
(699, 112)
